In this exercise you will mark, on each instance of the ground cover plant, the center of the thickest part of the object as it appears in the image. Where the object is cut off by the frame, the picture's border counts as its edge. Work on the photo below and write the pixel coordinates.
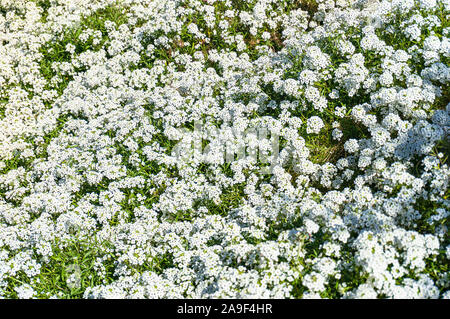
(224, 149)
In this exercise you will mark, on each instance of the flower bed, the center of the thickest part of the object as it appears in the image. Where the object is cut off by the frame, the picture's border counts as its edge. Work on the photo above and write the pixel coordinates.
(224, 149)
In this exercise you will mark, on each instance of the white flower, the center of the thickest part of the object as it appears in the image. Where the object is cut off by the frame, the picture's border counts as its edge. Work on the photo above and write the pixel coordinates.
(351, 146)
(25, 291)
(314, 124)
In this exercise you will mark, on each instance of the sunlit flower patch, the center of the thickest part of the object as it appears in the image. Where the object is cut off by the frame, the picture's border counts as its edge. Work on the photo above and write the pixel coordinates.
(224, 149)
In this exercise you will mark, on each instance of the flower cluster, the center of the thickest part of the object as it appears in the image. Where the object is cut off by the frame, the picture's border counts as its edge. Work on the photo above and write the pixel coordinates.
(96, 96)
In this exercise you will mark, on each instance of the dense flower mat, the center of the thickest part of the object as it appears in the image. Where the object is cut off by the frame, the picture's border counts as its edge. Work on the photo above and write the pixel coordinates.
(117, 119)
